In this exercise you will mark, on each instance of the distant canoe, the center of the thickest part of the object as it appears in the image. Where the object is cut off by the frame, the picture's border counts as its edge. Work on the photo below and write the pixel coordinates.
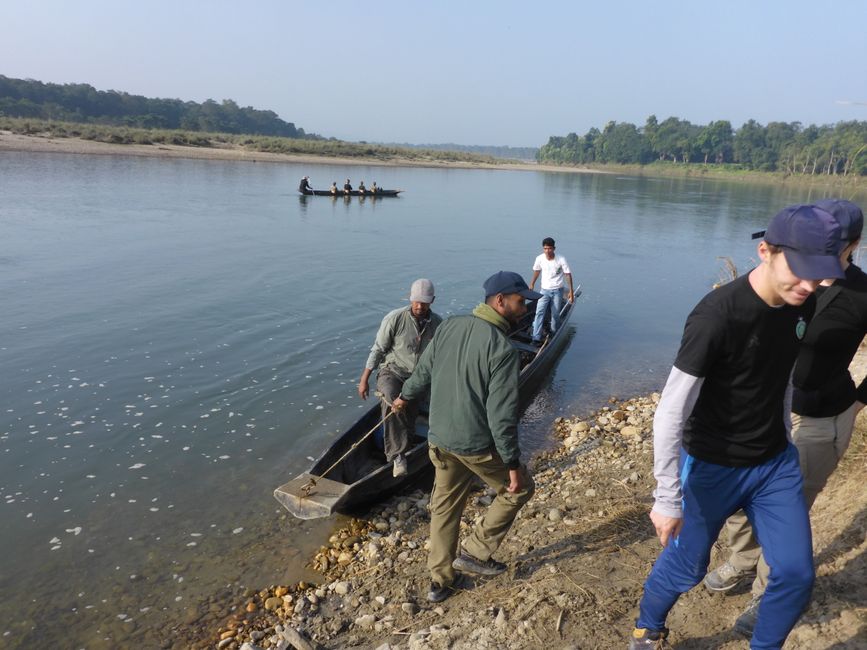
(353, 193)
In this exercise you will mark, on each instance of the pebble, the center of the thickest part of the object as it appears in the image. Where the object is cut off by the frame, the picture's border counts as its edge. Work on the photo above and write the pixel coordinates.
(630, 431)
(554, 514)
(273, 603)
(341, 588)
(590, 493)
(224, 643)
(410, 608)
(365, 621)
(501, 618)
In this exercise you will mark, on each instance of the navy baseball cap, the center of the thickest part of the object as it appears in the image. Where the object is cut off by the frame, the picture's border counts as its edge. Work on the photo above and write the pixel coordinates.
(810, 239)
(848, 215)
(508, 282)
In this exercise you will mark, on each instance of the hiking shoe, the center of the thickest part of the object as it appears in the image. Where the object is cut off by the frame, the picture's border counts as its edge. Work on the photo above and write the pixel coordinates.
(470, 564)
(438, 593)
(644, 638)
(746, 622)
(726, 577)
(399, 468)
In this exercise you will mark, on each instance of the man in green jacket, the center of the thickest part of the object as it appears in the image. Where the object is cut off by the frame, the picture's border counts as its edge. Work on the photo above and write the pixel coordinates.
(472, 370)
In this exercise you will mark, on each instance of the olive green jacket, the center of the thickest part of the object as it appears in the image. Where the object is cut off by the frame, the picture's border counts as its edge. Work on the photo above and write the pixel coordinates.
(472, 370)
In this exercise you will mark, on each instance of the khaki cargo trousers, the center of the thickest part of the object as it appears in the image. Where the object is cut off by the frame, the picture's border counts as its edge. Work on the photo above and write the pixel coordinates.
(821, 443)
(452, 483)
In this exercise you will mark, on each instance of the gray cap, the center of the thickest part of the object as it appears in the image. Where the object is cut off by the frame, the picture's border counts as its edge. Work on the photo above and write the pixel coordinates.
(422, 290)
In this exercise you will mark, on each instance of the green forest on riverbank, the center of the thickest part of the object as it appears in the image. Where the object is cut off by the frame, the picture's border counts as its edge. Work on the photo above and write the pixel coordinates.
(838, 150)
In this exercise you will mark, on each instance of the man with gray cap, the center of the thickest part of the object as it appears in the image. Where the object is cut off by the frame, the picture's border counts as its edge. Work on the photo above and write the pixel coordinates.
(472, 371)
(402, 337)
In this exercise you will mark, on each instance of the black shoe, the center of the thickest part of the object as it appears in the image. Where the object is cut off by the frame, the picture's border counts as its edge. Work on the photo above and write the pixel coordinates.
(438, 593)
(746, 622)
(469, 564)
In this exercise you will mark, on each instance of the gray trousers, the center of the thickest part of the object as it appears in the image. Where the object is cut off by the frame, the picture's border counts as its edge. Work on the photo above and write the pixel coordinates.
(400, 427)
(821, 443)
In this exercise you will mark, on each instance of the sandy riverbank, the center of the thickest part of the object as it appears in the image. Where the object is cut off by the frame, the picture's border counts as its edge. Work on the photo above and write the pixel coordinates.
(11, 142)
(578, 555)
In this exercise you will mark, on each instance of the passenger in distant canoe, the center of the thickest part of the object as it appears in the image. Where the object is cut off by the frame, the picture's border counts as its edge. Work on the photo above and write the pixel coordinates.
(347, 188)
(402, 337)
(361, 189)
(373, 188)
(334, 188)
(304, 186)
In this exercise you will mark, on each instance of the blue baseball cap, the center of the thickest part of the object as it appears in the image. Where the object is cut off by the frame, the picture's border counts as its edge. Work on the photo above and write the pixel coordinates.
(508, 282)
(848, 215)
(810, 239)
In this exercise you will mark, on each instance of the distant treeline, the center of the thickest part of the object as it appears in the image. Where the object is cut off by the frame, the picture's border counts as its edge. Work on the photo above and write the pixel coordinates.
(82, 103)
(512, 153)
(838, 150)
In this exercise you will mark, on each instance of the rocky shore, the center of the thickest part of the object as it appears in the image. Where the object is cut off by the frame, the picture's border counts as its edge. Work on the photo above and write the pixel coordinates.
(578, 555)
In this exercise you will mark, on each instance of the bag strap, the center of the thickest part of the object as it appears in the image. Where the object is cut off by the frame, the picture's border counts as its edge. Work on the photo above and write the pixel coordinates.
(827, 296)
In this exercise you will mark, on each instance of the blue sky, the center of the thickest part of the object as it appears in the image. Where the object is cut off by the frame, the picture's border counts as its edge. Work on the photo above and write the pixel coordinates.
(481, 72)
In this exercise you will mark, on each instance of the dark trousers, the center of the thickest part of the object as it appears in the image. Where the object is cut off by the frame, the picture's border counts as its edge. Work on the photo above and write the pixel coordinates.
(400, 426)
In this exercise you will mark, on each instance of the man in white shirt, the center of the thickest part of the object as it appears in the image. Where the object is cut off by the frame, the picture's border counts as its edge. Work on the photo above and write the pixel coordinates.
(552, 268)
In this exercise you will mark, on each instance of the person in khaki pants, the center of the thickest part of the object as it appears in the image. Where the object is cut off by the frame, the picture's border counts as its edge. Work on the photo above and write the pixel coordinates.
(472, 370)
(825, 402)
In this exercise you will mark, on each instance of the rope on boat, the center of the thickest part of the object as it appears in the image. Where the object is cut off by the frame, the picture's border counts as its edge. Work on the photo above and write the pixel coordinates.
(309, 485)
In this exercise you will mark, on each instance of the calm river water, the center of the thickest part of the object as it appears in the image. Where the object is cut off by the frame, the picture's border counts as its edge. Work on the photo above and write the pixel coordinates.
(179, 337)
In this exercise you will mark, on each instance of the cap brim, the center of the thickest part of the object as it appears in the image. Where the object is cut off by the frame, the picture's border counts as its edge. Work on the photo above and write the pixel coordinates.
(813, 267)
(530, 295)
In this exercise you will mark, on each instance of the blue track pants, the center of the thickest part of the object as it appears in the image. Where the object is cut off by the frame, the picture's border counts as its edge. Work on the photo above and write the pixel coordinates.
(771, 495)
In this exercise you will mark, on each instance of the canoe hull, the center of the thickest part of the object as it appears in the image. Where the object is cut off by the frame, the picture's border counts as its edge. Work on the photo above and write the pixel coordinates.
(340, 193)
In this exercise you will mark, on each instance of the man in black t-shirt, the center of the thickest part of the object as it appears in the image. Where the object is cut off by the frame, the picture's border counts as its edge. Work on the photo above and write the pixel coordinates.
(304, 186)
(825, 402)
(724, 403)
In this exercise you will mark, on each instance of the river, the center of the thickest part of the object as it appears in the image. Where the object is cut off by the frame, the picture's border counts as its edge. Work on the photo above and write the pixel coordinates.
(179, 337)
